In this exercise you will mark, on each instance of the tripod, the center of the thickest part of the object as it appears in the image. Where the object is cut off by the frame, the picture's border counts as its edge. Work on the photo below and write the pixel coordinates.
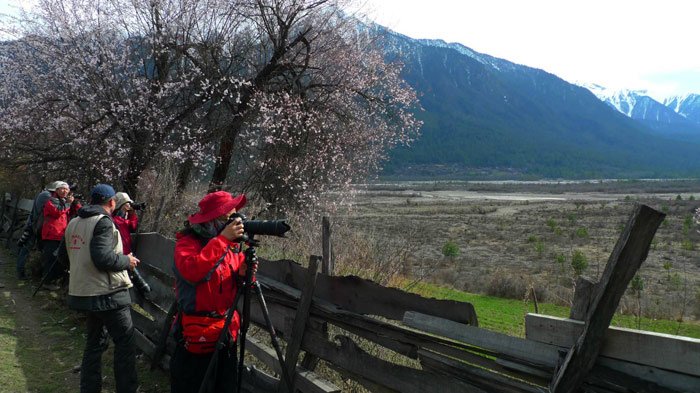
(250, 284)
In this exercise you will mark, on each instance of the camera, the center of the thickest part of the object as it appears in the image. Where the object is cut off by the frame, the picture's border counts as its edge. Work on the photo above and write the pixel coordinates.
(139, 282)
(26, 234)
(77, 196)
(261, 227)
(138, 206)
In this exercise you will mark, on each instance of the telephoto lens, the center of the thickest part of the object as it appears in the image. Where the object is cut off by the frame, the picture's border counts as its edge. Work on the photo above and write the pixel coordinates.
(139, 282)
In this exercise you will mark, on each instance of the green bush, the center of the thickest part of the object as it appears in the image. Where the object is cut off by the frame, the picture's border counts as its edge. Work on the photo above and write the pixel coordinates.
(539, 247)
(450, 249)
(552, 224)
(687, 245)
(637, 284)
(582, 232)
(579, 262)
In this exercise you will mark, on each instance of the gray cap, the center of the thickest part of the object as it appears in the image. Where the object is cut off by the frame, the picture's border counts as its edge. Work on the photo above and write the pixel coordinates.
(122, 198)
(53, 185)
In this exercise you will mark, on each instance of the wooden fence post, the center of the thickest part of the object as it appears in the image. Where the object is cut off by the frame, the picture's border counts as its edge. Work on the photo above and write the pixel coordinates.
(302, 316)
(327, 266)
(583, 297)
(630, 251)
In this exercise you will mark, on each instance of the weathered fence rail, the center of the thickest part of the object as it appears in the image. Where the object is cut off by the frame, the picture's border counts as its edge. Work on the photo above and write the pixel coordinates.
(341, 321)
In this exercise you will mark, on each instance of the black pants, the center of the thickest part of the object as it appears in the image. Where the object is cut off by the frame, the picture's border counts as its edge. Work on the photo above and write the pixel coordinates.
(48, 248)
(119, 325)
(187, 371)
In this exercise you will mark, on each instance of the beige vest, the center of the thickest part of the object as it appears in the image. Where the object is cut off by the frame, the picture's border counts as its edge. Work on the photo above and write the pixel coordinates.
(85, 278)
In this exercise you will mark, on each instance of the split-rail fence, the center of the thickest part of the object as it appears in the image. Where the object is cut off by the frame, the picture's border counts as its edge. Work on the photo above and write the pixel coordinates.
(343, 320)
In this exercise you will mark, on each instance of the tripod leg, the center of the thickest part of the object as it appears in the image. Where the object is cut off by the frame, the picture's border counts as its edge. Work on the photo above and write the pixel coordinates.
(273, 336)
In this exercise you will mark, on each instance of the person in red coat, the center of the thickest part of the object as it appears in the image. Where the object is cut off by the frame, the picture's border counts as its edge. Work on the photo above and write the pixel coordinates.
(125, 219)
(56, 212)
(208, 266)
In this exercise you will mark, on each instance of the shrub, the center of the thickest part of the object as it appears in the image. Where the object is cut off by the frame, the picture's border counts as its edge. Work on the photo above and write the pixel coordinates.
(450, 249)
(504, 284)
(539, 248)
(579, 262)
(582, 232)
(687, 245)
(532, 239)
(552, 224)
(679, 197)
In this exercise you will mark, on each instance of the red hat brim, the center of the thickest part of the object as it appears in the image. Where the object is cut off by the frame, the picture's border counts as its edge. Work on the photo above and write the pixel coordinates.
(215, 205)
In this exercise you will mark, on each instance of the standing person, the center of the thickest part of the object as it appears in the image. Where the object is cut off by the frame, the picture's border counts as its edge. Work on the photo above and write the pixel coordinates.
(56, 211)
(32, 229)
(208, 264)
(99, 286)
(125, 219)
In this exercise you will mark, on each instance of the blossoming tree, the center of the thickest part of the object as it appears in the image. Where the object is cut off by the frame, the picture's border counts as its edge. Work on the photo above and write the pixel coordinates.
(285, 99)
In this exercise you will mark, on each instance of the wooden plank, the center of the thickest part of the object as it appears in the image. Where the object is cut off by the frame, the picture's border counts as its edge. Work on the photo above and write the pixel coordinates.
(671, 380)
(162, 293)
(302, 315)
(366, 297)
(147, 347)
(630, 251)
(156, 250)
(305, 381)
(403, 341)
(538, 353)
(356, 362)
(665, 351)
(26, 205)
(327, 267)
(583, 297)
(482, 378)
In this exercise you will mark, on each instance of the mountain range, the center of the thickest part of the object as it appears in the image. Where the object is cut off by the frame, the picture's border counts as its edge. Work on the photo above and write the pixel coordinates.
(486, 117)
(676, 117)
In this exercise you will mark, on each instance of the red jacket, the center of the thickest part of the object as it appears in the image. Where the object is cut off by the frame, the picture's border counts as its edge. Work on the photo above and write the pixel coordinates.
(126, 226)
(207, 277)
(56, 213)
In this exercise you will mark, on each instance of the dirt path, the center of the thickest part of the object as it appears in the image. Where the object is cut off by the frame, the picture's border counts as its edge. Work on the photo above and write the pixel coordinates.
(41, 341)
(40, 338)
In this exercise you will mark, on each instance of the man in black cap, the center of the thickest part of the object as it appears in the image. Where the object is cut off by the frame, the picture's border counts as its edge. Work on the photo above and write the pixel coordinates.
(99, 286)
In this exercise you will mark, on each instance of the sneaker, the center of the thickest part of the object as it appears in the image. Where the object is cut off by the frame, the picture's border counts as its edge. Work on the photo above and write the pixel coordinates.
(51, 287)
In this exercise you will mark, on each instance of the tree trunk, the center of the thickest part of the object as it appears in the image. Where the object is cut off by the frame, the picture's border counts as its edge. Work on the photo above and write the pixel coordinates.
(183, 176)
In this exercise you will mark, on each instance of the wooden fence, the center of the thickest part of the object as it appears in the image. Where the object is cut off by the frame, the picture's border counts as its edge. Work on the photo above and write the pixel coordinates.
(431, 345)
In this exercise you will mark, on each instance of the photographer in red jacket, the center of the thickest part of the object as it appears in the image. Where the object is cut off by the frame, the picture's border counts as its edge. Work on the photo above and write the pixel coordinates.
(208, 263)
(56, 212)
(125, 219)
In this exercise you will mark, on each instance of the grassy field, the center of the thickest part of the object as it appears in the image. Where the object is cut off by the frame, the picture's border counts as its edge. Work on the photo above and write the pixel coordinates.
(508, 315)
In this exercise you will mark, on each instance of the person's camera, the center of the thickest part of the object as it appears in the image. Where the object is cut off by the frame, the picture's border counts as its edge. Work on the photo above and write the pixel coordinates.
(77, 196)
(139, 282)
(261, 227)
(138, 206)
(24, 238)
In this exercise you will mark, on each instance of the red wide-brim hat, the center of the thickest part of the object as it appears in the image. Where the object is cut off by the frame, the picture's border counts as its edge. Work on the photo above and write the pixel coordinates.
(215, 205)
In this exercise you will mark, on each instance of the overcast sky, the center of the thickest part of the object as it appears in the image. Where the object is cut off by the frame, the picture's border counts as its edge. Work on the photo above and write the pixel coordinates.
(635, 44)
